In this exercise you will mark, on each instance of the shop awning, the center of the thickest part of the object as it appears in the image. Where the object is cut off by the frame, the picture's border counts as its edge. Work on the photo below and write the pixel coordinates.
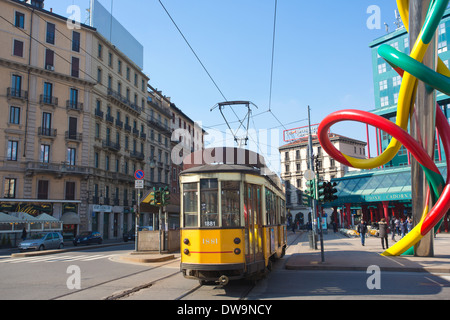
(371, 186)
(24, 217)
(46, 218)
(71, 218)
(6, 218)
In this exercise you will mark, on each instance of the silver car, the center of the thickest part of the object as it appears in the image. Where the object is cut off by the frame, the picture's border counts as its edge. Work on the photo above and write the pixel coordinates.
(42, 241)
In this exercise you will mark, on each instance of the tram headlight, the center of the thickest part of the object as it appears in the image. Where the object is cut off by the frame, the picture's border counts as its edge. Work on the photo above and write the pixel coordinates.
(186, 241)
(237, 251)
(186, 251)
(237, 240)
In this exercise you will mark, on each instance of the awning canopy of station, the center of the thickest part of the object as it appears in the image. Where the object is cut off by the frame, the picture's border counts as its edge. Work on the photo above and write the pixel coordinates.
(369, 186)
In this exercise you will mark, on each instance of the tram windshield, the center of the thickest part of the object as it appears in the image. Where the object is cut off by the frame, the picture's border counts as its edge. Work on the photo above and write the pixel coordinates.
(209, 210)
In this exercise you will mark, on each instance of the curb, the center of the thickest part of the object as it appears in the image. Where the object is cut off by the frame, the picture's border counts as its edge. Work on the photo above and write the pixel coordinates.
(145, 259)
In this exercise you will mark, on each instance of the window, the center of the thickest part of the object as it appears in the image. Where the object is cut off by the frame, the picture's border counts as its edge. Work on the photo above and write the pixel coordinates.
(71, 156)
(397, 81)
(442, 46)
(99, 75)
(10, 188)
(384, 101)
(190, 204)
(100, 51)
(382, 68)
(11, 154)
(14, 115)
(19, 21)
(70, 190)
(48, 92)
(76, 40)
(45, 153)
(119, 66)
(231, 210)
(50, 38)
(383, 85)
(42, 189)
(110, 59)
(75, 67)
(18, 48)
(73, 102)
(16, 85)
(209, 214)
(46, 124)
(49, 59)
(96, 160)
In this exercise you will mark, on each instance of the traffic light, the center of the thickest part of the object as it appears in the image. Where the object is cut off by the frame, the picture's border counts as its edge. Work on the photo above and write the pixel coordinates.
(306, 200)
(165, 194)
(332, 192)
(310, 191)
(158, 197)
(322, 191)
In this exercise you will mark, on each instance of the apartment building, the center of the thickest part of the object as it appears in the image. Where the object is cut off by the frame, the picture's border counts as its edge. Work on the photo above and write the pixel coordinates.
(44, 73)
(295, 161)
(81, 119)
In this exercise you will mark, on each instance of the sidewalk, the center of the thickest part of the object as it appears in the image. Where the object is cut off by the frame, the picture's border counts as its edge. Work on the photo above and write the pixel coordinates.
(343, 253)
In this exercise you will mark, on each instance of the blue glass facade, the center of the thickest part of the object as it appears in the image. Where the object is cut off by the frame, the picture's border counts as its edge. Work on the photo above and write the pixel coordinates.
(387, 83)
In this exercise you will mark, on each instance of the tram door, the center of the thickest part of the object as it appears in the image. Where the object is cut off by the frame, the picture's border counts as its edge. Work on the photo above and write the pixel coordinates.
(253, 223)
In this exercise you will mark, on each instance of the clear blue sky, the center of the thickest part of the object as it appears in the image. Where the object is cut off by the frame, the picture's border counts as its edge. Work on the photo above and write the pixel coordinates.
(322, 58)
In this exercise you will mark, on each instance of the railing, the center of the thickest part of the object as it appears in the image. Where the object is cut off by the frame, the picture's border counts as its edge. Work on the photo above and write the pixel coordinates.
(15, 93)
(47, 132)
(73, 105)
(123, 100)
(74, 136)
(49, 100)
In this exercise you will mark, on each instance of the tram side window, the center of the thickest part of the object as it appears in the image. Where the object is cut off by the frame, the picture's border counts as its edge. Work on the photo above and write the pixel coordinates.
(209, 213)
(270, 207)
(190, 204)
(231, 209)
(283, 212)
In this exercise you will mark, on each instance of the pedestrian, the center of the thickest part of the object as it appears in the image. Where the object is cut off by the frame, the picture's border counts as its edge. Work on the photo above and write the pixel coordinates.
(24, 234)
(397, 226)
(392, 228)
(383, 233)
(409, 224)
(404, 227)
(362, 229)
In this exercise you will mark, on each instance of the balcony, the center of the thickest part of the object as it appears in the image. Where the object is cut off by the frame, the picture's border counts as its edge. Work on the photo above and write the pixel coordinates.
(73, 105)
(119, 99)
(137, 155)
(119, 124)
(143, 136)
(16, 94)
(153, 122)
(135, 132)
(99, 113)
(48, 100)
(74, 136)
(111, 145)
(109, 119)
(47, 132)
(127, 127)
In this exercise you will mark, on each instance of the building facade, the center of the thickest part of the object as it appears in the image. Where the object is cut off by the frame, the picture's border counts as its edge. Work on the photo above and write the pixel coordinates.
(80, 119)
(295, 161)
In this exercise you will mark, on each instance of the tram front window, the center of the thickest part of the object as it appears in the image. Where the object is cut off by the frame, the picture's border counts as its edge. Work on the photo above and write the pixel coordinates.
(231, 204)
(209, 213)
(190, 204)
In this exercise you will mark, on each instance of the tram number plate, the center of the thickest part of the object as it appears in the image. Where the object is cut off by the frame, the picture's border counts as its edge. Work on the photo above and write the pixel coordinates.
(210, 223)
(210, 241)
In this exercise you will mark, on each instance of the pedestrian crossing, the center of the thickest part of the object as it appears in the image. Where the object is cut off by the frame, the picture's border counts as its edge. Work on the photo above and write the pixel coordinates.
(56, 258)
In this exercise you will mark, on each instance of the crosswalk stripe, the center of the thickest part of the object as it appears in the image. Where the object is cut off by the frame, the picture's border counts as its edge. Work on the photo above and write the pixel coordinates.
(99, 257)
(52, 258)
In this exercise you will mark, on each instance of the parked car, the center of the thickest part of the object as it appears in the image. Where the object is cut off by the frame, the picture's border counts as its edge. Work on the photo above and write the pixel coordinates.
(42, 241)
(131, 234)
(88, 237)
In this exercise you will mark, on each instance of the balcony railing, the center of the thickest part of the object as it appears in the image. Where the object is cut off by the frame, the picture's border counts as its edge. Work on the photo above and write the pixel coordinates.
(111, 145)
(47, 132)
(123, 100)
(74, 136)
(73, 105)
(16, 93)
(48, 100)
(137, 155)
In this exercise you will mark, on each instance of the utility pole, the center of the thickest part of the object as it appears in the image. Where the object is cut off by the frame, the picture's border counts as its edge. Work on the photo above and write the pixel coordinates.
(311, 167)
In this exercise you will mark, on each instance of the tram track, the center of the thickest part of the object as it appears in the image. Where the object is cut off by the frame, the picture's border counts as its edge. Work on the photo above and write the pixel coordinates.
(128, 292)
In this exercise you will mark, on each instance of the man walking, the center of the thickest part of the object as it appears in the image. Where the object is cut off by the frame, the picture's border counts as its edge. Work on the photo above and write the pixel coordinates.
(362, 229)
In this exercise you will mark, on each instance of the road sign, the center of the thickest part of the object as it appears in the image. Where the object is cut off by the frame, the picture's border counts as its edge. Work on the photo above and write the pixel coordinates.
(139, 174)
(139, 184)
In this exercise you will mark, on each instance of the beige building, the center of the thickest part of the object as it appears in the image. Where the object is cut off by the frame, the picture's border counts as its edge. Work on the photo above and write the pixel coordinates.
(294, 163)
(79, 120)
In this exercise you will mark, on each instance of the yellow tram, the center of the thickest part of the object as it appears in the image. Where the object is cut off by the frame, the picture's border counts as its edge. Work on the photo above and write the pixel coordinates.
(233, 219)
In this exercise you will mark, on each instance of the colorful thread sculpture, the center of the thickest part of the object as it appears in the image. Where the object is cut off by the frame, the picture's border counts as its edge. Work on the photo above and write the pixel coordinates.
(411, 69)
